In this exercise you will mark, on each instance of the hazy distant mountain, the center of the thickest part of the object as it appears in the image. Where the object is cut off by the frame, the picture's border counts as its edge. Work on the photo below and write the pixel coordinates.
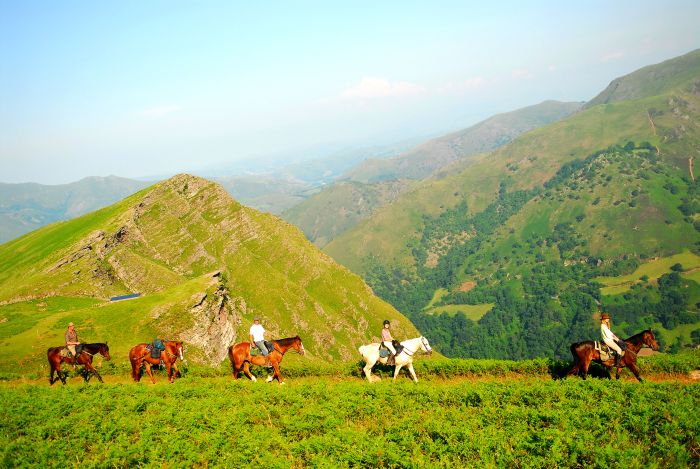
(487, 135)
(374, 182)
(280, 189)
(28, 206)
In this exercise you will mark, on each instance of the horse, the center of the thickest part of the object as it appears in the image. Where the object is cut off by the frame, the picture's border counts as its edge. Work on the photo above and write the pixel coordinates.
(139, 355)
(240, 357)
(370, 355)
(84, 358)
(584, 352)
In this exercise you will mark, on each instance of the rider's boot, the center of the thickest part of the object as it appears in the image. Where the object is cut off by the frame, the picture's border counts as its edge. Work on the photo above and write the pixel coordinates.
(74, 360)
(617, 360)
(390, 360)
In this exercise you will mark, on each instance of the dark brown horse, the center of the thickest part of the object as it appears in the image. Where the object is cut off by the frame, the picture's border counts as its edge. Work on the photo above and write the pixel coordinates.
(140, 355)
(84, 358)
(585, 352)
(240, 357)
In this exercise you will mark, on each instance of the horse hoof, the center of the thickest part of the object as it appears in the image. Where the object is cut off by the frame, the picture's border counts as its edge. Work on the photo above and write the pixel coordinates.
(269, 378)
(282, 383)
(253, 378)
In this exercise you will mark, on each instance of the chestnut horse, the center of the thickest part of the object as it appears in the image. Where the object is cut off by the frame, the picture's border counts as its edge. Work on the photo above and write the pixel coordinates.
(584, 352)
(84, 358)
(139, 355)
(240, 357)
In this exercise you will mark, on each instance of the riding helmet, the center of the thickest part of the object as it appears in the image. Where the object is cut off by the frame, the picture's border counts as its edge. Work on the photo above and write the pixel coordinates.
(386, 321)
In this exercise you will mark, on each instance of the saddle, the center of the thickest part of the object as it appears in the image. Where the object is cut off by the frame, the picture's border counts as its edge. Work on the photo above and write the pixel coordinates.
(268, 345)
(65, 353)
(606, 353)
(384, 350)
(156, 348)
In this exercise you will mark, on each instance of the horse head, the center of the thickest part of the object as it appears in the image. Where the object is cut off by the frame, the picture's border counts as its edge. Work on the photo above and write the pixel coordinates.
(425, 345)
(177, 346)
(104, 351)
(298, 346)
(650, 340)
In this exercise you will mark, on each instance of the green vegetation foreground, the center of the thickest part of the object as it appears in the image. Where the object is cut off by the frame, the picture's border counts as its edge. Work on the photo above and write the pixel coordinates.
(329, 422)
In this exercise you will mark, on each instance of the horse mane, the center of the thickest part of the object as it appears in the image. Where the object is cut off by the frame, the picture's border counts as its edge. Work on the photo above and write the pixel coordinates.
(286, 342)
(638, 337)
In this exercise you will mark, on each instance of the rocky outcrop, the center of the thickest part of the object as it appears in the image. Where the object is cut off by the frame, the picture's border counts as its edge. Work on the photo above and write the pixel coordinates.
(215, 318)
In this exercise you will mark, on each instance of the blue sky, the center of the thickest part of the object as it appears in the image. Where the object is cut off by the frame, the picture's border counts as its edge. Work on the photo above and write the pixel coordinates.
(154, 88)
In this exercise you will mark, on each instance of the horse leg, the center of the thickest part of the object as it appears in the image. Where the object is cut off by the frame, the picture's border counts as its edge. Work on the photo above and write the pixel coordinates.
(276, 374)
(51, 377)
(169, 369)
(576, 368)
(586, 364)
(176, 373)
(368, 370)
(93, 370)
(149, 371)
(397, 368)
(135, 369)
(633, 368)
(246, 371)
(413, 372)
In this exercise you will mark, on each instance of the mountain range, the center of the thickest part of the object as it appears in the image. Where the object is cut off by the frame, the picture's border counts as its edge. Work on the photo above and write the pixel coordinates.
(376, 182)
(26, 207)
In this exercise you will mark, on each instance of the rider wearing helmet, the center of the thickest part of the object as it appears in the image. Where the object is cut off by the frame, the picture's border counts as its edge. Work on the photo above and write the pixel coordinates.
(610, 339)
(387, 339)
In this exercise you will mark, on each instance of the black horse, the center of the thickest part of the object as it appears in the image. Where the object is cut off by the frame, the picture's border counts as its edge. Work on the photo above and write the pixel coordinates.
(585, 352)
(84, 358)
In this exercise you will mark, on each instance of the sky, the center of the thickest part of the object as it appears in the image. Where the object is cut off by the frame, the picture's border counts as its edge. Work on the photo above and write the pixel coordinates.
(141, 88)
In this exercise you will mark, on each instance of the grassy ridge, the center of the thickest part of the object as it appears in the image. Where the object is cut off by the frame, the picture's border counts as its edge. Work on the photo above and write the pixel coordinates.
(328, 423)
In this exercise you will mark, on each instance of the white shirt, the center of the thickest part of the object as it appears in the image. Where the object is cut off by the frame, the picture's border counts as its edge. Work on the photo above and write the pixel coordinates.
(607, 334)
(257, 331)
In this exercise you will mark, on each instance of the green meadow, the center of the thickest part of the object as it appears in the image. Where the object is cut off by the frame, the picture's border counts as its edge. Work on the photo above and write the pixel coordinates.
(465, 413)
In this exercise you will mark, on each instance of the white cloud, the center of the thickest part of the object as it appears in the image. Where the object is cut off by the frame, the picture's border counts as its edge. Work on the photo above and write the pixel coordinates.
(159, 111)
(612, 56)
(521, 74)
(372, 87)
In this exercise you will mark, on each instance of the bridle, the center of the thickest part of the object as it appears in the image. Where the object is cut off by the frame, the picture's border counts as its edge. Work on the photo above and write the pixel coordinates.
(422, 341)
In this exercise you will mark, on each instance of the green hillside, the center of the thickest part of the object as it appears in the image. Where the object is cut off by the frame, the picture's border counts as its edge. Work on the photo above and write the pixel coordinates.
(603, 190)
(205, 265)
(377, 182)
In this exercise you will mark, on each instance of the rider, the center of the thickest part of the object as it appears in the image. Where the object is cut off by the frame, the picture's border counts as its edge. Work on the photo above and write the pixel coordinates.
(71, 342)
(611, 339)
(257, 337)
(387, 341)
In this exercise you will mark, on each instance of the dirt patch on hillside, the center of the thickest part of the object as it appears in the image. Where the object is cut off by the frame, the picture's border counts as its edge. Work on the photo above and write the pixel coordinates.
(466, 286)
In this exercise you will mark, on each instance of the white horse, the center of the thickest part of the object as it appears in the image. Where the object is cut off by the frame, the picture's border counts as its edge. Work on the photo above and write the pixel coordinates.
(370, 354)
